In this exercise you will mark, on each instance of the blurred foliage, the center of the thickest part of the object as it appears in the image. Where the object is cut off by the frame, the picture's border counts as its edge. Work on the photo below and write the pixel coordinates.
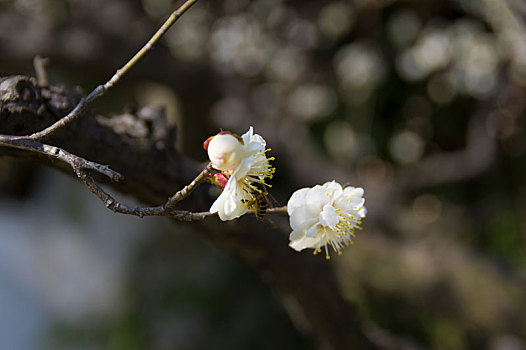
(184, 294)
(423, 100)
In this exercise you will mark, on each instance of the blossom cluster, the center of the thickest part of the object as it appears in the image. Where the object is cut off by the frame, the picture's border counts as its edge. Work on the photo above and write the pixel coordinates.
(322, 217)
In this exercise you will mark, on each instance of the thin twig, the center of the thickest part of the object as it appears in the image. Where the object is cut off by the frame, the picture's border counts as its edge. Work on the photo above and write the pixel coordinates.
(78, 164)
(161, 210)
(115, 206)
(166, 210)
(277, 210)
(172, 201)
(103, 89)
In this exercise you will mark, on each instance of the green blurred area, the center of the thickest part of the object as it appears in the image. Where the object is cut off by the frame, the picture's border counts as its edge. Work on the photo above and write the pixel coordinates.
(184, 294)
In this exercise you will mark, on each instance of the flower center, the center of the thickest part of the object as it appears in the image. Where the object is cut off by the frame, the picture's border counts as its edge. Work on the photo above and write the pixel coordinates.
(337, 228)
(253, 184)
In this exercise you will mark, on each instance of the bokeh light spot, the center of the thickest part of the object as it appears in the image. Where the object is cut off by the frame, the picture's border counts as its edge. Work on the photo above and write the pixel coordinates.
(406, 147)
(427, 208)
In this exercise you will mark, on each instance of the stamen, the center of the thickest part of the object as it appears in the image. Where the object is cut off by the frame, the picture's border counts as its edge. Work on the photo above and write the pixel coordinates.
(340, 235)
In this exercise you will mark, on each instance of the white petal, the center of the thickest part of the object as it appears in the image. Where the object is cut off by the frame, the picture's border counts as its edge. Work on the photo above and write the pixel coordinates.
(362, 212)
(254, 147)
(296, 235)
(350, 200)
(247, 136)
(329, 216)
(313, 231)
(333, 189)
(243, 168)
(302, 243)
(348, 204)
(250, 137)
(220, 202)
(353, 191)
(229, 204)
(316, 198)
(301, 217)
(216, 205)
(237, 211)
(297, 200)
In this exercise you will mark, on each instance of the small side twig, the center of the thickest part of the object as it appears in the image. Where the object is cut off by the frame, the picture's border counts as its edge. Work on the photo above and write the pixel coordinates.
(77, 163)
(112, 204)
(166, 209)
(101, 90)
(180, 195)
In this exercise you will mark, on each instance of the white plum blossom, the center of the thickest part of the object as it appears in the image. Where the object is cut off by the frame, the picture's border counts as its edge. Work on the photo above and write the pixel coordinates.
(325, 215)
(243, 160)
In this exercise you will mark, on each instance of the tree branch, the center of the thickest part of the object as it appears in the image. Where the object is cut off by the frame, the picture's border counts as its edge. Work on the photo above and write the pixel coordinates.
(78, 164)
(116, 207)
(101, 90)
(180, 195)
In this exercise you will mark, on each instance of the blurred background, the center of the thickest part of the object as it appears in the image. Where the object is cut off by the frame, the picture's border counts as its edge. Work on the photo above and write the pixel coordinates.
(420, 102)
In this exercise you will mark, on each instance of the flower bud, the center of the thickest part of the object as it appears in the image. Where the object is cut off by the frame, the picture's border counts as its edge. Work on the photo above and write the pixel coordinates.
(225, 152)
(220, 180)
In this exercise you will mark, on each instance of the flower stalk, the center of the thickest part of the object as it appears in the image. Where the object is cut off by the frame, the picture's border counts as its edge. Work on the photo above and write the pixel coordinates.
(185, 192)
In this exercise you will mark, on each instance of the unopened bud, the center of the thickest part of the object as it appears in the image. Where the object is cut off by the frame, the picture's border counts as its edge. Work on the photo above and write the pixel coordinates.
(225, 152)
(220, 180)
